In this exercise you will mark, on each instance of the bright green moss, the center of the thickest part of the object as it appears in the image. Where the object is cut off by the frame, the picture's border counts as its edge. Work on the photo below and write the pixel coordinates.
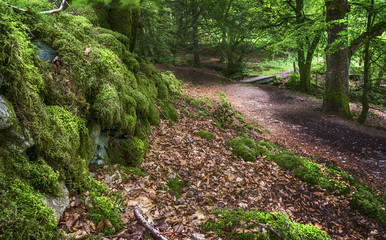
(111, 43)
(128, 152)
(163, 92)
(169, 111)
(247, 149)
(286, 160)
(107, 109)
(23, 214)
(154, 115)
(174, 85)
(205, 134)
(105, 208)
(235, 224)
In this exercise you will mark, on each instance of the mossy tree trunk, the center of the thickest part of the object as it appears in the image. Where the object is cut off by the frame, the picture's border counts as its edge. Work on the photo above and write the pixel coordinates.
(335, 100)
(125, 19)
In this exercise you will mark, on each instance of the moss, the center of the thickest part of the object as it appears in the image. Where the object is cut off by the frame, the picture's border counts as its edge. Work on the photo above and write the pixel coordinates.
(205, 134)
(237, 224)
(175, 186)
(107, 109)
(23, 215)
(169, 111)
(286, 160)
(309, 172)
(127, 152)
(105, 208)
(174, 85)
(111, 43)
(247, 149)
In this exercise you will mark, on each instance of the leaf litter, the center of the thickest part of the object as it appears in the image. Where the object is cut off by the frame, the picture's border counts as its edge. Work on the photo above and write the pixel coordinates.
(215, 179)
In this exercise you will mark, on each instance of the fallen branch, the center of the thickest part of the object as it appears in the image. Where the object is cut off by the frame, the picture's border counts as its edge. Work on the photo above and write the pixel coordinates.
(14, 7)
(154, 232)
(61, 8)
(269, 228)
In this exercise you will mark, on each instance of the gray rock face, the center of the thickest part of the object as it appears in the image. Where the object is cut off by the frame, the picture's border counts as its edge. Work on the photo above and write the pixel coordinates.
(12, 134)
(100, 144)
(45, 52)
(5, 114)
(58, 204)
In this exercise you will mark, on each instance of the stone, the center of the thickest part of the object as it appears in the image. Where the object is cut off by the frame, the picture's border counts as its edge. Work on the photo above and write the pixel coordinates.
(198, 236)
(5, 114)
(44, 52)
(58, 204)
(100, 145)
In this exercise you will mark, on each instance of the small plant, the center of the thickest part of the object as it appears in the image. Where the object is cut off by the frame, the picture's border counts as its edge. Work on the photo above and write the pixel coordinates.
(175, 186)
(205, 134)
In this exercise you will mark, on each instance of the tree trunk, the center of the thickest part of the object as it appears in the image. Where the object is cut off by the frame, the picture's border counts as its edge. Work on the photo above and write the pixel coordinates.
(335, 100)
(366, 69)
(196, 49)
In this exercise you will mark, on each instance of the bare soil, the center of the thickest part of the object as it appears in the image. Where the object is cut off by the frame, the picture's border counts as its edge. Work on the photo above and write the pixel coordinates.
(295, 121)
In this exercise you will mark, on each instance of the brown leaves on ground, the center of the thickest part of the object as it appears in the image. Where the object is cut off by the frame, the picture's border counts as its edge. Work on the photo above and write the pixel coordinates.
(215, 179)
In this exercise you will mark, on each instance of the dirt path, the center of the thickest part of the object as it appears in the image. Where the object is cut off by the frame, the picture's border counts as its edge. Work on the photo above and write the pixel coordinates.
(295, 120)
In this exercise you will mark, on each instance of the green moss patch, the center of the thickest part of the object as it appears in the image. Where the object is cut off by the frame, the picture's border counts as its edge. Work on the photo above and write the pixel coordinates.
(175, 186)
(240, 224)
(247, 149)
(205, 134)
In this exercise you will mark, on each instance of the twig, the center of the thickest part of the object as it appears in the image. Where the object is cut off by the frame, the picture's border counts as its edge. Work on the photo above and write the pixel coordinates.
(154, 232)
(61, 8)
(269, 228)
(14, 7)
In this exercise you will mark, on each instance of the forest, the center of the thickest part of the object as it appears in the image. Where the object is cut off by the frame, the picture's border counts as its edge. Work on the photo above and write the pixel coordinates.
(192, 119)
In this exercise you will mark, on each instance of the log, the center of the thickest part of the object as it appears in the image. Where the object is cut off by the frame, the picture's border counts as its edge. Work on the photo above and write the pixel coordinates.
(154, 232)
(260, 79)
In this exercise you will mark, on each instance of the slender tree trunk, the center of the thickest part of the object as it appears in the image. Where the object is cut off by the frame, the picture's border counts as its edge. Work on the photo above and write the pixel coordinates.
(335, 100)
(366, 69)
(196, 49)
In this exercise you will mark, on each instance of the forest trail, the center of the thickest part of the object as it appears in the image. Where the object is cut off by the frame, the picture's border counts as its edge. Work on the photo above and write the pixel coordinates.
(295, 121)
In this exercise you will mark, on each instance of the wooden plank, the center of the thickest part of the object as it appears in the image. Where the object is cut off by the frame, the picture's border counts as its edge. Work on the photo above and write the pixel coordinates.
(260, 79)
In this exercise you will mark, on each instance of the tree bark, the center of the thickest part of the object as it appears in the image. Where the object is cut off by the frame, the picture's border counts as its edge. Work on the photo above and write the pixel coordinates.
(335, 100)
(366, 68)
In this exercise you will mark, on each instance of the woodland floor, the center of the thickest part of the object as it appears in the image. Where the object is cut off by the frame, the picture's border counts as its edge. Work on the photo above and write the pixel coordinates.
(295, 121)
(214, 178)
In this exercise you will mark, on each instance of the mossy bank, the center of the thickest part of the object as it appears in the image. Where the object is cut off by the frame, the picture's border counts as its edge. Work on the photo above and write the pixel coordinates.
(92, 102)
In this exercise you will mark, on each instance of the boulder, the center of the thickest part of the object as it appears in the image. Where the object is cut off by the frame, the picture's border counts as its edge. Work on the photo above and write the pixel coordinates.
(58, 204)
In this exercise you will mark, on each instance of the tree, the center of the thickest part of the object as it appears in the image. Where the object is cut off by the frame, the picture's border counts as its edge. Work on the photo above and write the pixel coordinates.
(307, 39)
(335, 100)
(236, 25)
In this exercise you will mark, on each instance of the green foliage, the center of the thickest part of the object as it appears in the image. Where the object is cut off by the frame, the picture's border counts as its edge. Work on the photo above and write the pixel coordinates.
(23, 214)
(238, 224)
(247, 149)
(175, 186)
(293, 82)
(205, 134)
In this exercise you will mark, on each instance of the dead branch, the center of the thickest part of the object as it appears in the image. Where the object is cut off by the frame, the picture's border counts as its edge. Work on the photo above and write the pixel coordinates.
(154, 232)
(17, 8)
(269, 228)
(61, 8)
